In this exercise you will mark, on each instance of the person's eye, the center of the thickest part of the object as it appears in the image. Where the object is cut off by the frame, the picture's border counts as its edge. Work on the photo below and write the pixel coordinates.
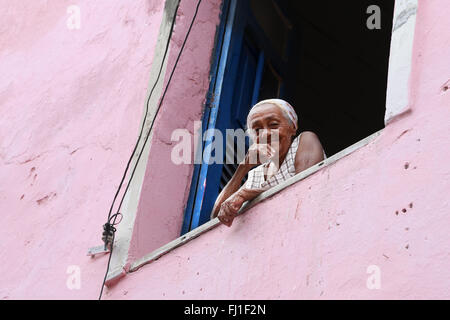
(274, 124)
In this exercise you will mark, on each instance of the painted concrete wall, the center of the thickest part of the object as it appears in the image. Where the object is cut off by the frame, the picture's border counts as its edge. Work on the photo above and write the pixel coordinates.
(71, 102)
(165, 189)
(386, 205)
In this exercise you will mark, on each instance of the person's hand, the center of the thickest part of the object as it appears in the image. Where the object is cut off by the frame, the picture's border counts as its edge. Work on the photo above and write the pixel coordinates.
(229, 208)
(259, 153)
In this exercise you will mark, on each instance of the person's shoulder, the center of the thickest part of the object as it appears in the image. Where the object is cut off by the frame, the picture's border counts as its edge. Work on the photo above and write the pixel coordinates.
(309, 142)
(309, 152)
(308, 138)
(308, 135)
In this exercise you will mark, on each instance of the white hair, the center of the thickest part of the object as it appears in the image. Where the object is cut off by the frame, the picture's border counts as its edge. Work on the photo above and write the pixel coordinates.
(288, 111)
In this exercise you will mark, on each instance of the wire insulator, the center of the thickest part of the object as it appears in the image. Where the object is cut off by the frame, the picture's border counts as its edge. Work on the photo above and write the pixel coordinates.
(109, 230)
(108, 234)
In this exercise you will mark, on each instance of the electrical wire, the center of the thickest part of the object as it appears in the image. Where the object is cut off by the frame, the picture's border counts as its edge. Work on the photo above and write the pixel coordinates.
(146, 113)
(149, 131)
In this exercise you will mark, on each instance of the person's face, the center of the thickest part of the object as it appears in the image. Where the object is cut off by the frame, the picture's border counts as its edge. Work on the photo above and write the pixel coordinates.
(265, 121)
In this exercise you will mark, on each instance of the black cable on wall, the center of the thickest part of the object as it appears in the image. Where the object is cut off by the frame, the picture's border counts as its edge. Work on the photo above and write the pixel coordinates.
(110, 224)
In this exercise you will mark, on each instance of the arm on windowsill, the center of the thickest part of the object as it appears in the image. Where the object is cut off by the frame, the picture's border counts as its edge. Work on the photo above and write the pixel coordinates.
(231, 188)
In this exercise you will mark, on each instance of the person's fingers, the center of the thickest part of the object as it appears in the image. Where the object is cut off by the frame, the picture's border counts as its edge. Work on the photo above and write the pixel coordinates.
(234, 204)
(229, 217)
(252, 154)
(266, 151)
(260, 152)
(263, 153)
(272, 150)
(226, 214)
(229, 211)
(222, 215)
(224, 210)
(226, 220)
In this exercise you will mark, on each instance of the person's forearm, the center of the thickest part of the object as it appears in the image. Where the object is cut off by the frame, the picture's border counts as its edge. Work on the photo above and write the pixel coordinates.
(232, 186)
(250, 194)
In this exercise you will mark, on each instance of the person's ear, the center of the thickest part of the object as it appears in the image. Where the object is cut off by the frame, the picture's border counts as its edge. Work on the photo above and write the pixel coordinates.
(293, 132)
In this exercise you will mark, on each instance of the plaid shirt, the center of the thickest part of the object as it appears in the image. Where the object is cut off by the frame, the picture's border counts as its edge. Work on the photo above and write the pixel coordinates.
(287, 169)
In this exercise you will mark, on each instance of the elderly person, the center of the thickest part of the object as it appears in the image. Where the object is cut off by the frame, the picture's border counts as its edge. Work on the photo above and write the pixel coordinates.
(276, 153)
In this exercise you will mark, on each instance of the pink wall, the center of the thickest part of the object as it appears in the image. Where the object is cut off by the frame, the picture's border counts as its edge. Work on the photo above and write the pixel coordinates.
(71, 102)
(166, 186)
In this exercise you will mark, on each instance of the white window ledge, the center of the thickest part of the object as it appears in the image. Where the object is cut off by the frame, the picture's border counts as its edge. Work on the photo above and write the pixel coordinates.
(214, 222)
(400, 59)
